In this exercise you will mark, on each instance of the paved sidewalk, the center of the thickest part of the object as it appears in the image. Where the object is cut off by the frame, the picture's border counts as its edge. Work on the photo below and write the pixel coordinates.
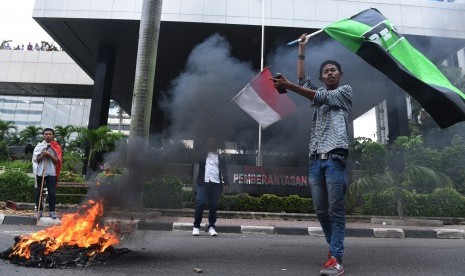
(263, 223)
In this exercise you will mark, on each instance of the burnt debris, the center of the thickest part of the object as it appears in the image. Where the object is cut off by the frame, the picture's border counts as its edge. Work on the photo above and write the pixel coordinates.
(64, 257)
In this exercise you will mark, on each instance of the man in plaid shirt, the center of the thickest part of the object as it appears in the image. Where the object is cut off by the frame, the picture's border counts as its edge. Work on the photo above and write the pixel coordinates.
(329, 144)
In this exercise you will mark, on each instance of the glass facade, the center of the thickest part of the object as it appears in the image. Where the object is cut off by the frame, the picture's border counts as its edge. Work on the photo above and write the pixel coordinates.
(44, 111)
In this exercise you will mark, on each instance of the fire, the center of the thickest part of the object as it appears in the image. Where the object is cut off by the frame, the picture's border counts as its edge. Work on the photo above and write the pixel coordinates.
(79, 229)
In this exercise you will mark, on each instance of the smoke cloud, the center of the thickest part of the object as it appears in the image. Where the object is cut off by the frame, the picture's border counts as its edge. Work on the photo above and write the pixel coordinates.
(200, 104)
(200, 98)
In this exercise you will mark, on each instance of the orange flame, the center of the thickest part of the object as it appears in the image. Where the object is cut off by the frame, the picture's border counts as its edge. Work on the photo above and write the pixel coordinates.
(79, 229)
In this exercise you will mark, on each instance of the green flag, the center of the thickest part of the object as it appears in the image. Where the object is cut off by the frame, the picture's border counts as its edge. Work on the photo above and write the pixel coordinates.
(372, 37)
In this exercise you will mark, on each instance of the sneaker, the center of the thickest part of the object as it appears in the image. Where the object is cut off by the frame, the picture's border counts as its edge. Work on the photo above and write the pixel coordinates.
(332, 267)
(195, 231)
(39, 215)
(53, 215)
(212, 232)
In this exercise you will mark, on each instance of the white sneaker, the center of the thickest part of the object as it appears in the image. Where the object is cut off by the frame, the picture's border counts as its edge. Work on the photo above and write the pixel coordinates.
(195, 231)
(212, 231)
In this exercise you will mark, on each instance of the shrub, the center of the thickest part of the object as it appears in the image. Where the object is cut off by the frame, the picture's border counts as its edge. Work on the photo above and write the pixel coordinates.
(68, 176)
(18, 165)
(384, 203)
(16, 186)
(265, 203)
(271, 203)
(228, 203)
(297, 204)
(443, 202)
(240, 202)
(163, 192)
(248, 203)
(72, 162)
(188, 196)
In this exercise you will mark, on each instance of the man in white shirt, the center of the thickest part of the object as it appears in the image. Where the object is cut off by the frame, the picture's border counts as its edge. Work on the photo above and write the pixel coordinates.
(211, 178)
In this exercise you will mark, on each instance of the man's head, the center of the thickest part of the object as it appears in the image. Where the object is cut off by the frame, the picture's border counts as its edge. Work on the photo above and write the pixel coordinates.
(330, 73)
(212, 145)
(48, 134)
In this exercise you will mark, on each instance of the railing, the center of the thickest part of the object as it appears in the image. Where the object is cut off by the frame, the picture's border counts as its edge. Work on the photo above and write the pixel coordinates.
(71, 185)
(4, 168)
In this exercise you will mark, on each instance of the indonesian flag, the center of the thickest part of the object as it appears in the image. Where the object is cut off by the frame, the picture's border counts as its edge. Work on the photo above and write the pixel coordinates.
(262, 101)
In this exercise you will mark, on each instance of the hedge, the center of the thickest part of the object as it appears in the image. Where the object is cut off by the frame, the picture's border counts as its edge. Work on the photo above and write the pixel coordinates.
(167, 192)
(16, 186)
(266, 203)
(443, 202)
(163, 192)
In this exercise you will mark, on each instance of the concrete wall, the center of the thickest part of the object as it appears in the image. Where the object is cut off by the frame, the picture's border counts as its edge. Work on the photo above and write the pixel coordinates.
(41, 67)
(419, 17)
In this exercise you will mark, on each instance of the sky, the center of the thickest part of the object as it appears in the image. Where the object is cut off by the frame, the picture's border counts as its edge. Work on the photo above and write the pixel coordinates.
(17, 24)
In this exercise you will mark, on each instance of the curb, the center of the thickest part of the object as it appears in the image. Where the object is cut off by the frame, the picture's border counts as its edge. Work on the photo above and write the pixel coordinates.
(393, 233)
(154, 224)
(450, 234)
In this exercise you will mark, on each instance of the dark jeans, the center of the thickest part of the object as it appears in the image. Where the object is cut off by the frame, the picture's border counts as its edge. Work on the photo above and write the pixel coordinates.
(207, 193)
(328, 181)
(50, 183)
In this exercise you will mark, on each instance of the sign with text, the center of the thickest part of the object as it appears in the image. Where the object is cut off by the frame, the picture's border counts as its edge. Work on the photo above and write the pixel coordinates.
(256, 180)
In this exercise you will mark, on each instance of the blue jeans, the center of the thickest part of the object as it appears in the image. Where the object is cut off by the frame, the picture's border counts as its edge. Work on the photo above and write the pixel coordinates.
(328, 182)
(49, 183)
(207, 193)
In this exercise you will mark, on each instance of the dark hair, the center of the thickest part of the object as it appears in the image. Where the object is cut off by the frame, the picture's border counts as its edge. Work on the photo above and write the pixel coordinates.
(48, 129)
(333, 62)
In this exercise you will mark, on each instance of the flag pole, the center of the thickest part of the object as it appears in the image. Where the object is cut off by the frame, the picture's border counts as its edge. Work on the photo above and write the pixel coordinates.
(308, 36)
(259, 160)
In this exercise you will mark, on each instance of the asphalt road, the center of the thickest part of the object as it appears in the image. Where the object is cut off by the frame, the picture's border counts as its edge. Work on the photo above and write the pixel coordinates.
(178, 253)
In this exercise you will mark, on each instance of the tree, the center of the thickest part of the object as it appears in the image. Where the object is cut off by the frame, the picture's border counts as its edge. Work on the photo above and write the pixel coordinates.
(100, 140)
(62, 134)
(4, 42)
(14, 140)
(31, 134)
(149, 32)
(451, 162)
(141, 109)
(5, 127)
(355, 148)
(400, 174)
(4, 154)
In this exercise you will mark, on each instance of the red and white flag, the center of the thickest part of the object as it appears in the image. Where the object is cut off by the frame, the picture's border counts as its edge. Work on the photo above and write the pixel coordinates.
(262, 101)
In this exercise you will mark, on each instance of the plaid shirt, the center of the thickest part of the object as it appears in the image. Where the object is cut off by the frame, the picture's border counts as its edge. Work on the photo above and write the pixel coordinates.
(330, 122)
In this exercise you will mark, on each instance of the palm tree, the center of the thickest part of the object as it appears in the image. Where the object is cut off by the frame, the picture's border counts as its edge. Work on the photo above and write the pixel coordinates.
(5, 127)
(4, 42)
(149, 31)
(62, 134)
(31, 134)
(100, 140)
(141, 109)
(15, 140)
(399, 175)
